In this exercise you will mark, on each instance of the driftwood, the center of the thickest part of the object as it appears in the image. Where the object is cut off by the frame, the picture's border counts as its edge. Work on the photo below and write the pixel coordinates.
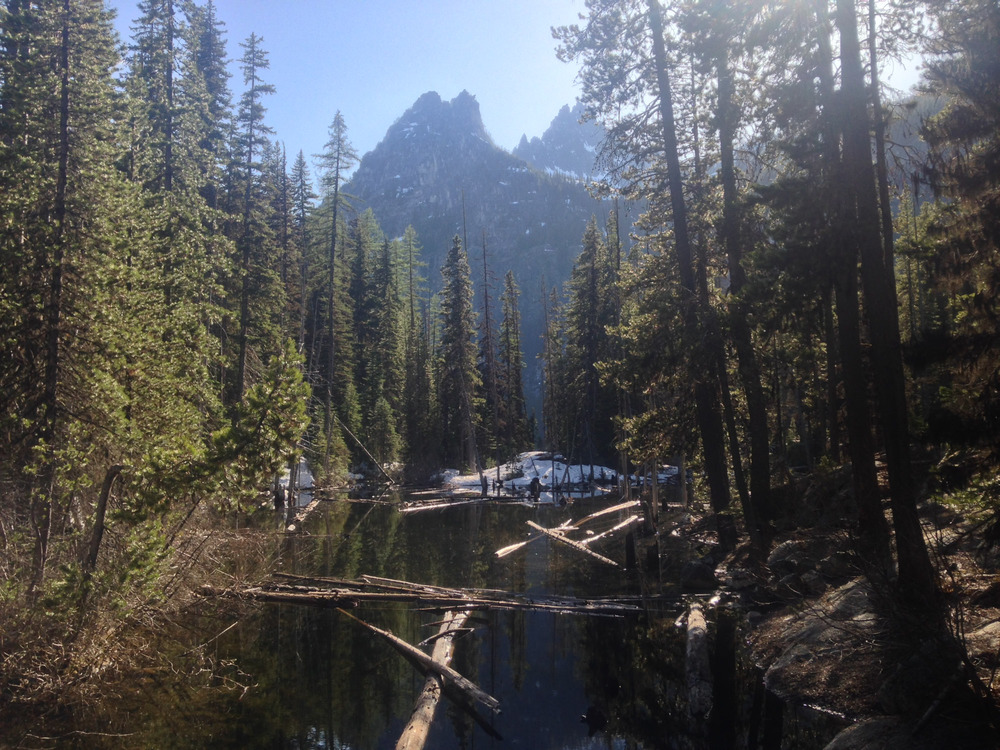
(559, 537)
(568, 526)
(332, 592)
(631, 520)
(295, 526)
(697, 667)
(458, 500)
(427, 663)
(414, 735)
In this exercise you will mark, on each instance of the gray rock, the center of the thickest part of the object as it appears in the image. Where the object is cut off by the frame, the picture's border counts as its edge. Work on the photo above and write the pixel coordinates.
(837, 565)
(883, 733)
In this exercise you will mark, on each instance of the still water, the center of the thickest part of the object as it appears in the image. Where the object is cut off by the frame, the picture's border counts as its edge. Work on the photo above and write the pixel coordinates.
(320, 680)
(292, 677)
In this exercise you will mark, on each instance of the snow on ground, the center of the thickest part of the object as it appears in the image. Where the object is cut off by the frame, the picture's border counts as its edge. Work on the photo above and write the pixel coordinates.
(556, 477)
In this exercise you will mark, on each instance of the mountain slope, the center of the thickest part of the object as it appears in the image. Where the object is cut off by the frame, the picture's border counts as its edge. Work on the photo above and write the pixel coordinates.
(567, 147)
(438, 170)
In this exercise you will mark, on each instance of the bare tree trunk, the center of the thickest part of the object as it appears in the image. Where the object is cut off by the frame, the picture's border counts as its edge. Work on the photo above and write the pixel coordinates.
(917, 577)
(749, 368)
(705, 388)
(873, 530)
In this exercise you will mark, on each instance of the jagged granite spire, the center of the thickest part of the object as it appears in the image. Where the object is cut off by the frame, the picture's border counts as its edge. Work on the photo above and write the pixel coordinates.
(567, 147)
(437, 166)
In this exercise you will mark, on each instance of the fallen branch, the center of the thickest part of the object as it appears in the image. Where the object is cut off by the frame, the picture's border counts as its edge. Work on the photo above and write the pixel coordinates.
(445, 672)
(612, 531)
(332, 592)
(567, 526)
(559, 537)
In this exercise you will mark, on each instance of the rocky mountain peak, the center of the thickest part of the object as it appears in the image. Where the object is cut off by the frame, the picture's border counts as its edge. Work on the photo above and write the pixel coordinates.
(437, 170)
(433, 119)
(568, 147)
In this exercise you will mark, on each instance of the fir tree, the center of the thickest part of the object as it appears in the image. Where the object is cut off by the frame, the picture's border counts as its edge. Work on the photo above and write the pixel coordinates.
(459, 379)
(513, 419)
(337, 159)
(251, 144)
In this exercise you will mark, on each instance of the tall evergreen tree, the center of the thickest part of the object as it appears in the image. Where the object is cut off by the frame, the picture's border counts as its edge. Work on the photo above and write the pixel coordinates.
(513, 419)
(251, 144)
(459, 380)
(589, 312)
(302, 200)
(337, 159)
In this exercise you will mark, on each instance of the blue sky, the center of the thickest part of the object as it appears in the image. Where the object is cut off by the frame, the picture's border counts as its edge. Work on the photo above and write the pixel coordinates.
(371, 59)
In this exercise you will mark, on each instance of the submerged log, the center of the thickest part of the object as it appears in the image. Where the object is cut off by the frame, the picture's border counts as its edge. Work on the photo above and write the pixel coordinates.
(473, 691)
(414, 735)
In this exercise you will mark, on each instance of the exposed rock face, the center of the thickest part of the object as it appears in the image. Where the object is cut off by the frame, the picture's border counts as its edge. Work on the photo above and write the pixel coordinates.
(568, 147)
(438, 170)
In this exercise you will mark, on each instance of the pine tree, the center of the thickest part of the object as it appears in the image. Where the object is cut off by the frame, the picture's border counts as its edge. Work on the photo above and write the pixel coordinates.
(251, 144)
(421, 439)
(962, 65)
(589, 312)
(302, 200)
(337, 159)
(459, 380)
(206, 44)
(514, 432)
(490, 415)
(67, 248)
(917, 579)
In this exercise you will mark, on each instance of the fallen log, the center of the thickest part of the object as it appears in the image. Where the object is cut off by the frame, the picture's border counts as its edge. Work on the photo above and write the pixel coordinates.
(567, 526)
(697, 668)
(295, 526)
(612, 531)
(458, 501)
(445, 672)
(414, 735)
(559, 537)
(354, 593)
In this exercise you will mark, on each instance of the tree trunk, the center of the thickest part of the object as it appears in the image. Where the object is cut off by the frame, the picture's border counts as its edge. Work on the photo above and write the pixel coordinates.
(414, 735)
(43, 504)
(705, 390)
(749, 368)
(917, 578)
(873, 531)
(97, 534)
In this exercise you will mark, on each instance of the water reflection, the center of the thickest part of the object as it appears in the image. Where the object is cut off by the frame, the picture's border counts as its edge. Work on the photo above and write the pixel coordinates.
(294, 677)
(324, 681)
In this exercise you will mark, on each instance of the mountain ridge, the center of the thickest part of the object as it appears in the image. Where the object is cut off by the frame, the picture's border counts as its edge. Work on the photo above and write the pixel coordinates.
(438, 170)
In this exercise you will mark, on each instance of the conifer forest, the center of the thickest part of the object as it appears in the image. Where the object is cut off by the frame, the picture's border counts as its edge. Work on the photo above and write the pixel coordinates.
(788, 290)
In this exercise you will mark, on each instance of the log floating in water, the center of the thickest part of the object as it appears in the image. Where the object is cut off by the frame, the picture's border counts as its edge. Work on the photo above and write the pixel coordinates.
(331, 592)
(414, 735)
(568, 526)
(697, 668)
(614, 530)
(426, 662)
(457, 500)
(574, 544)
